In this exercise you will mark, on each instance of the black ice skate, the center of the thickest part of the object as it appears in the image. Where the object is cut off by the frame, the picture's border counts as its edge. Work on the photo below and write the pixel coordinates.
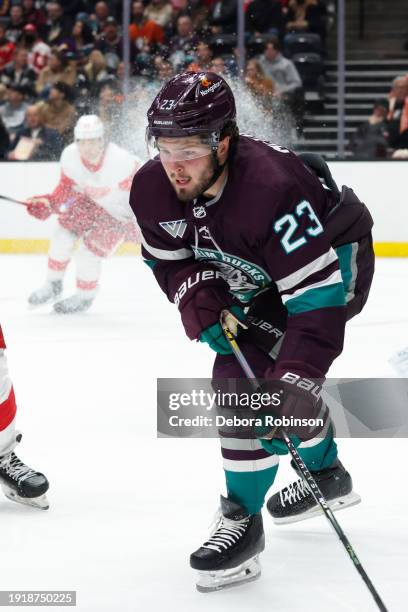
(296, 503)
(230, 556)
(22, 484)
(75, 303)
(46, 294)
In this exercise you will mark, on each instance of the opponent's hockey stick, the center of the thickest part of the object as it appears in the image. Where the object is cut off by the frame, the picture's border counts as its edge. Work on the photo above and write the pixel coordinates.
(13, 200)
(306, 475)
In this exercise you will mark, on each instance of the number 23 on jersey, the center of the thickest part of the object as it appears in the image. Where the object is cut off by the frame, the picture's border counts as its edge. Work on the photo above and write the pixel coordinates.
(289, 223)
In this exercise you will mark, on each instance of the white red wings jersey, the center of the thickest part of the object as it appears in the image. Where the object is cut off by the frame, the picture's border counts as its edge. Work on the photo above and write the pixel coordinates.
(107, 183)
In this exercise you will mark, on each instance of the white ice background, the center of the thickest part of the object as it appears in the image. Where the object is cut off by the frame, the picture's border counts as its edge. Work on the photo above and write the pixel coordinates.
(127, 508)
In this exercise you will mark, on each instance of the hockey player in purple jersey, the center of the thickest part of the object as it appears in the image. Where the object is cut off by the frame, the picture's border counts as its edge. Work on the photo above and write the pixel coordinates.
(231, 223)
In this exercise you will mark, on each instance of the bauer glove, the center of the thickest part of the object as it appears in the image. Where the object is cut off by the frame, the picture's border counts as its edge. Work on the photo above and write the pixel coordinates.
(300, 404)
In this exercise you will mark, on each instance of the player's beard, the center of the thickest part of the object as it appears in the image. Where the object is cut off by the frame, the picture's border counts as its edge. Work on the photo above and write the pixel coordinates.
(202, 183)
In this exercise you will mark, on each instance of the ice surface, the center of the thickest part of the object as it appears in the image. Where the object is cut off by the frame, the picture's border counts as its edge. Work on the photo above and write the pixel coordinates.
(127, 508)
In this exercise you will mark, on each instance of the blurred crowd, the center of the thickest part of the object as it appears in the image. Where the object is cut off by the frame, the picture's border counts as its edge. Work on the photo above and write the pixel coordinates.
(385, 133)
(59, 60)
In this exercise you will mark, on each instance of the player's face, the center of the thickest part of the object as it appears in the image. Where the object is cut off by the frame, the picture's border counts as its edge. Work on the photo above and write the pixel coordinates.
(91, 149)
(188, 165)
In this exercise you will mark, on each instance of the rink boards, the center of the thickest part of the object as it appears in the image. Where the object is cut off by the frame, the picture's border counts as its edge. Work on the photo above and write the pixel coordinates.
(381, 185)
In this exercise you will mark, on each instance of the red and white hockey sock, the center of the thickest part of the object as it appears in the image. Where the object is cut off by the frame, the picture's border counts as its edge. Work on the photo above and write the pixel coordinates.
(87, 289)
(56, 269)
(7, 408)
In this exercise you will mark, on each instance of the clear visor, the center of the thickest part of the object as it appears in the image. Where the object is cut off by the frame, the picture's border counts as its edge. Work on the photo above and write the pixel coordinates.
(178, 149)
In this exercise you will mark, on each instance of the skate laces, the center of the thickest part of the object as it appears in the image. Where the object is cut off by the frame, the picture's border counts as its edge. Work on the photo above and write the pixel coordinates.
(226, 534)
(15, 468)
(294, 492)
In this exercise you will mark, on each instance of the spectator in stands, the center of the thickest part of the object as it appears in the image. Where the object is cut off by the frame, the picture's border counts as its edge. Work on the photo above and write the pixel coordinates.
(164, 70)
(264, 16)
(58, 112)
(95, 71)
(398, 113)
(223, 17)
(259, 84)
(110, 44)
(38, 51)
(307, 16)
(203, 57)
(4, 140)
(58, 70)
(34, 141)
(370, 141)
(288, 90)
(143, 29)
(182, 46)
(159, 11)
(218, 66)
(280, 69)
(17, 23)
(6, 47)
(81, 39)
(109, 109)
(58, 25)
(18, 72)
(13, 111)
(101, 15)
(34, 16)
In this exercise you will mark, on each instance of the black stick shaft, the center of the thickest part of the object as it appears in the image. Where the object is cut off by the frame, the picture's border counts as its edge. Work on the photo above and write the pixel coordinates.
(308, 478)
(4, 197)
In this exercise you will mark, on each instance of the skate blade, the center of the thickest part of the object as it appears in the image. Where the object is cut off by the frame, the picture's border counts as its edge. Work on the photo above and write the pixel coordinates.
(223, 579)
(341, 503)
(40, 502)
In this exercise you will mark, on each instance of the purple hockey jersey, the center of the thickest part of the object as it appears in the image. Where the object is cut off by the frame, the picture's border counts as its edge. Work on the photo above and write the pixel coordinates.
(266, 226)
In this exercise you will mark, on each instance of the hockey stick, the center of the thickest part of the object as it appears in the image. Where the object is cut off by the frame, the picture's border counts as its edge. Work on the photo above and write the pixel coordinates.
(306, 475)
(13, 200)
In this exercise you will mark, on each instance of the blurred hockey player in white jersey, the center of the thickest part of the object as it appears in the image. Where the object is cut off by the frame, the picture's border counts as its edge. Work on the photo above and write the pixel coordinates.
(91, 202)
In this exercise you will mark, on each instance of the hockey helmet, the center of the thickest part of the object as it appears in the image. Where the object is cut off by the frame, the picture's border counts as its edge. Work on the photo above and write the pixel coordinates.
(189, 104)
(88, 127)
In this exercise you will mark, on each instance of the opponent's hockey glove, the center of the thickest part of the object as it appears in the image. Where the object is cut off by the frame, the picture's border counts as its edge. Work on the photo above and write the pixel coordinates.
(214, 335)
(40, 208)
(300, 407)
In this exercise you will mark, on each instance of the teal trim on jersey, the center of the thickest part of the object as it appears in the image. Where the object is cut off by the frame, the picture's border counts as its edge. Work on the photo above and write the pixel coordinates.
(320, 456)
(344, 254)
(316, 457)
(150, 262)
(320, 297)
(248, 489)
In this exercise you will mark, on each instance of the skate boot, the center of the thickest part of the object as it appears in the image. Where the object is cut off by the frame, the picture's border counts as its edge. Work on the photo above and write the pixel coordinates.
(46, 294)
(73, 304)
(230, 556)
(22, 484)
(296, 503)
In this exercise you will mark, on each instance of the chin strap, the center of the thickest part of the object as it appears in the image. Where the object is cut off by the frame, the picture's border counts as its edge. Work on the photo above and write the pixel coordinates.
(217, 167)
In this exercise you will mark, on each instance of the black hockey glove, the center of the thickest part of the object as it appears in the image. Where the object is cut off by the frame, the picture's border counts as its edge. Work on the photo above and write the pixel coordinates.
(300, 411)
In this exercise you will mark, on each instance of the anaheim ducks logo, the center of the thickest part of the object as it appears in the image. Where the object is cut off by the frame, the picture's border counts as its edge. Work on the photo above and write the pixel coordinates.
(205, 82)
